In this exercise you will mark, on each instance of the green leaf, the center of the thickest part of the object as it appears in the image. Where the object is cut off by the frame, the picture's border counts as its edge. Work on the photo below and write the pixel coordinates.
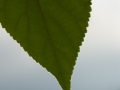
(51, 31)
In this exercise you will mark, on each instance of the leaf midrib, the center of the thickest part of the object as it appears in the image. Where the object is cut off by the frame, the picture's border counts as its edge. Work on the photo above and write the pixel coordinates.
(56, 58)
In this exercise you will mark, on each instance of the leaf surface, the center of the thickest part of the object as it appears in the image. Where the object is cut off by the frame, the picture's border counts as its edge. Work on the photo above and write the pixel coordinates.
(51, 31)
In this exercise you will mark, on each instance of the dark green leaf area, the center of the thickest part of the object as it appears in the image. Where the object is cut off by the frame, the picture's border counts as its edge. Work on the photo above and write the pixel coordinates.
(51, 31)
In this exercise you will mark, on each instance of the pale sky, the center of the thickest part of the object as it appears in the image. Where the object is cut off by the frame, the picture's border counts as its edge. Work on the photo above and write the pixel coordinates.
(97, 67)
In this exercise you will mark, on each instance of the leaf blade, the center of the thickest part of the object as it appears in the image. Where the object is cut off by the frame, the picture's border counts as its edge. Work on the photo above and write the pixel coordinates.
(50, 31)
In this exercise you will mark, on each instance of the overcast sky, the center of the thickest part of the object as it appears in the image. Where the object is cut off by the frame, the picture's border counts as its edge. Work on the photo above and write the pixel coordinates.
(98, 64)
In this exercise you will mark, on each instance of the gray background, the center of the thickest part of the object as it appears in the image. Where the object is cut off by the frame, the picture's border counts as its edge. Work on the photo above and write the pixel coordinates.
(97, 67)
